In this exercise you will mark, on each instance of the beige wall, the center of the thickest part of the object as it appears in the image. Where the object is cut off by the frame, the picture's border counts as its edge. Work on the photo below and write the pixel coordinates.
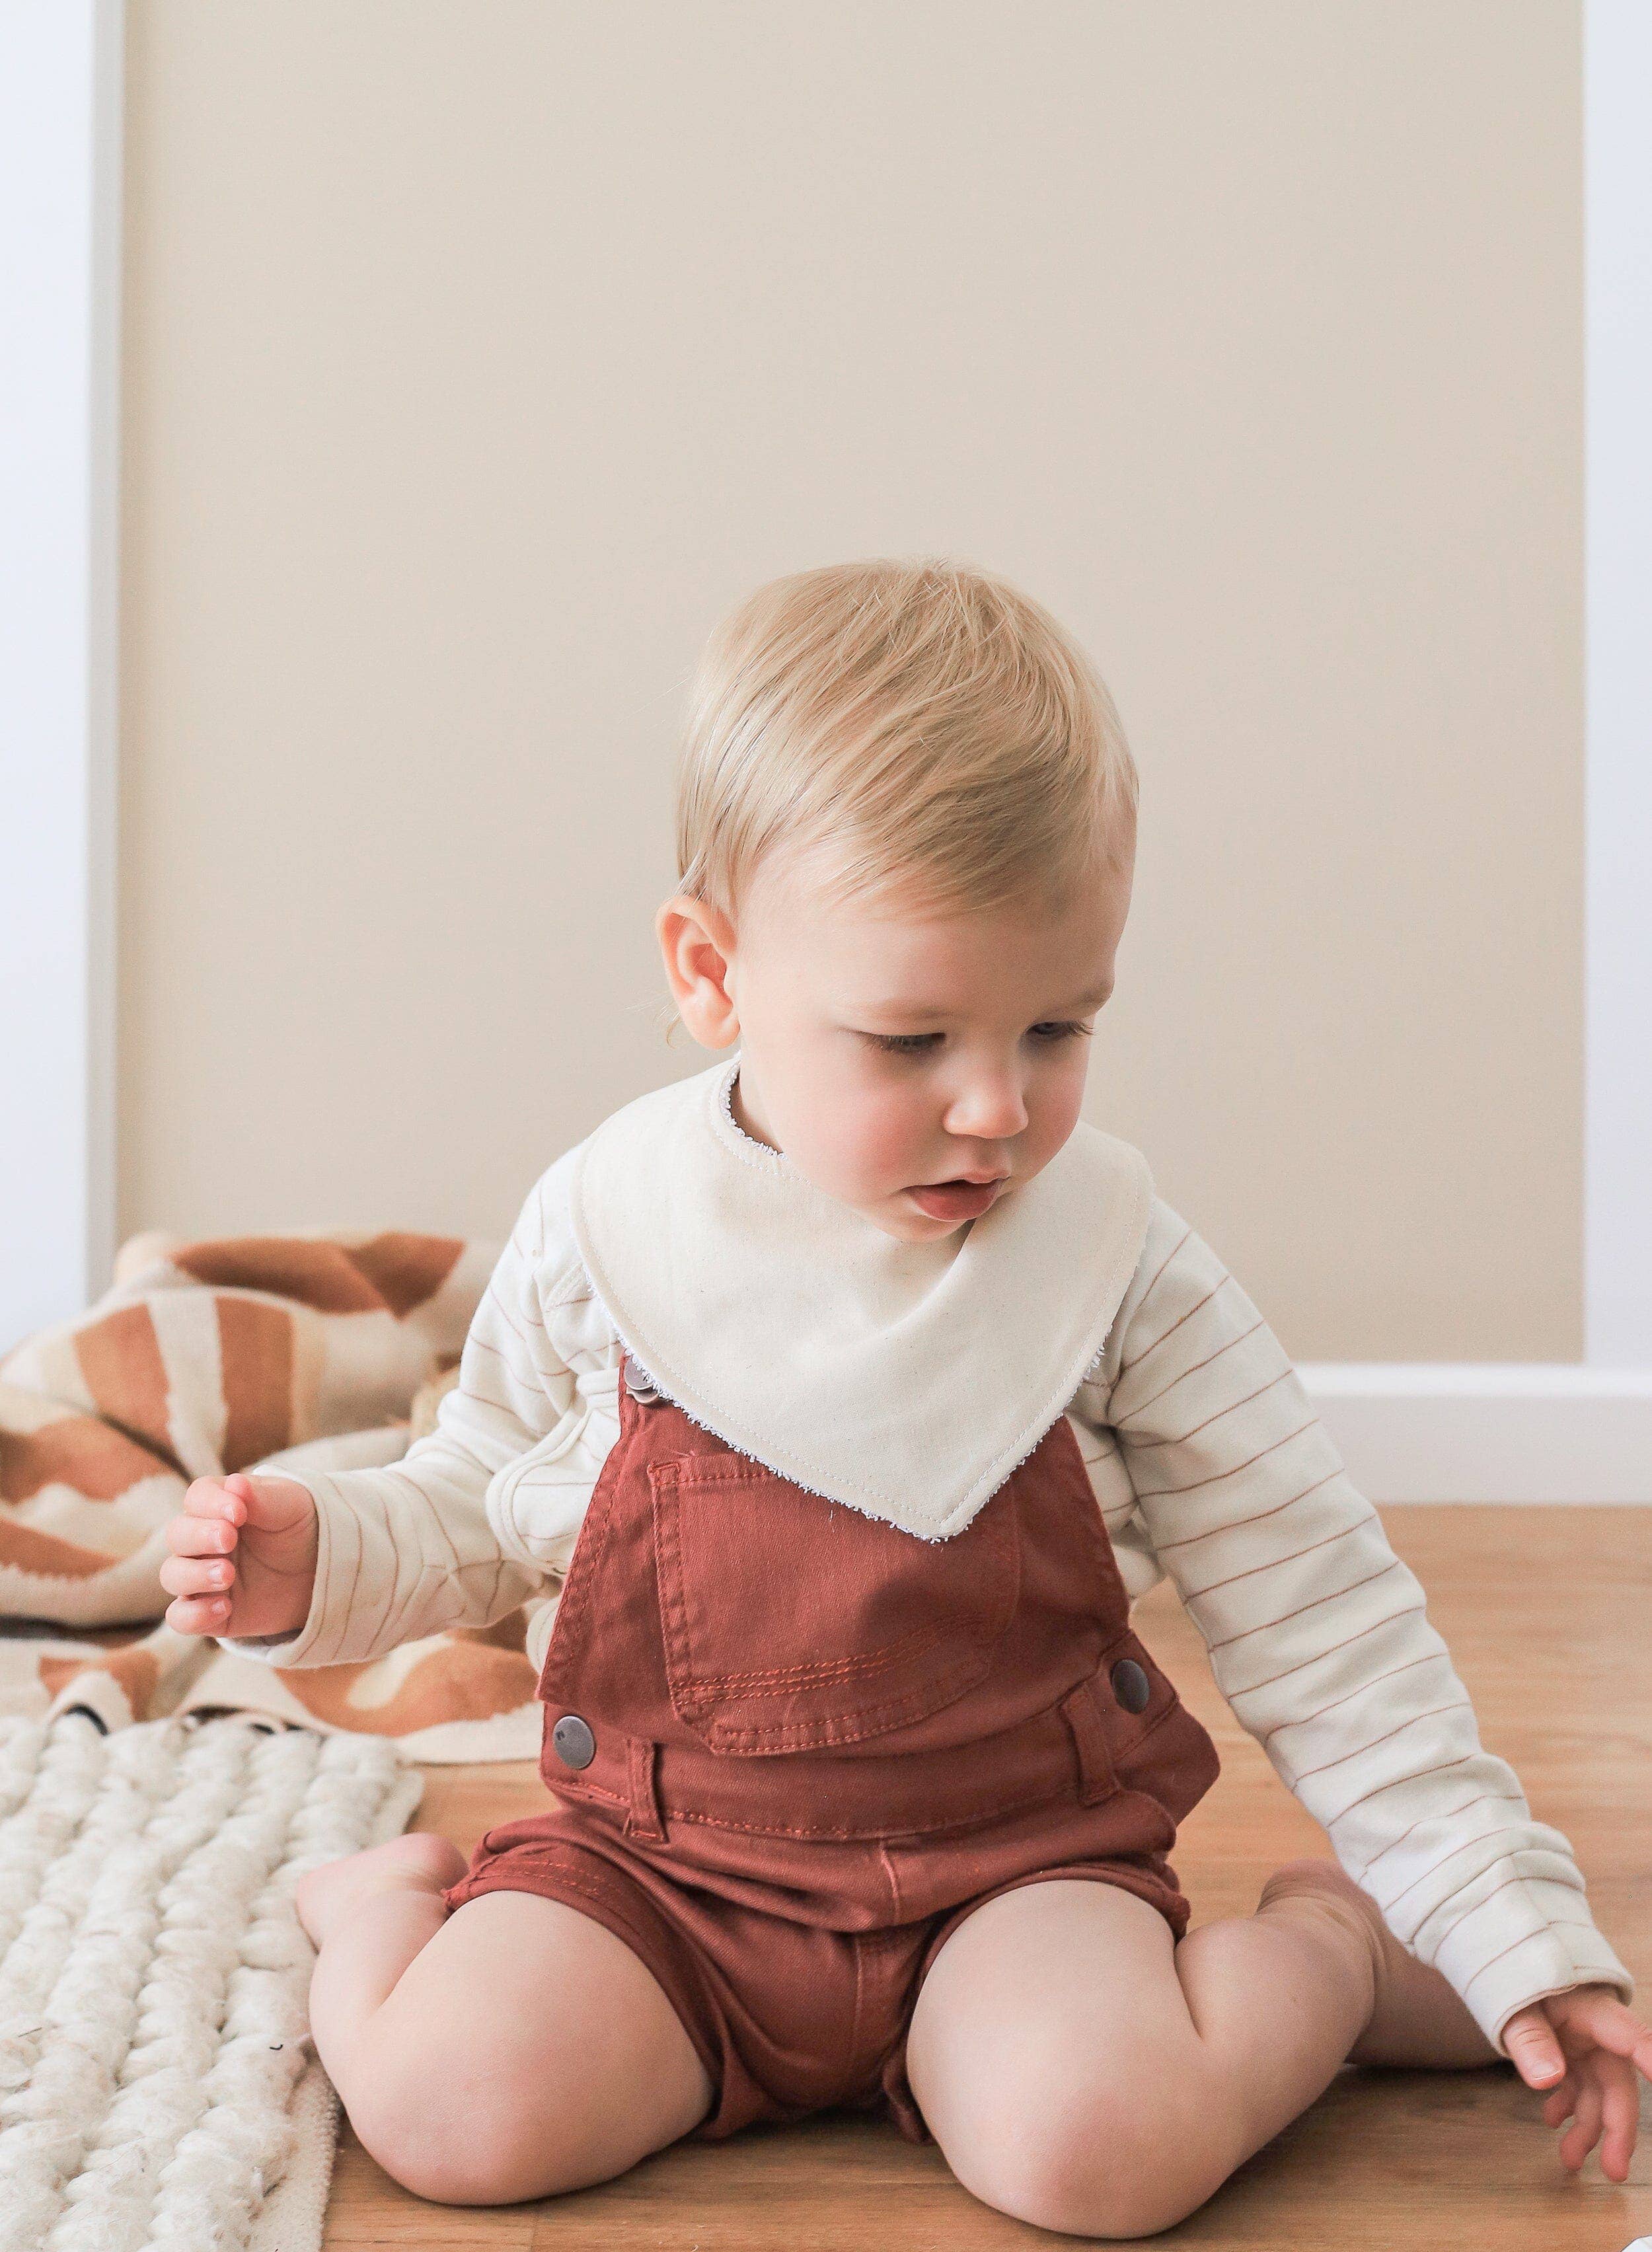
(478, 355)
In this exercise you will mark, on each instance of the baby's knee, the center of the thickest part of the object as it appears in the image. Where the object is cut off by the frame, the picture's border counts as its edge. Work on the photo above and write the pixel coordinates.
(1090, 2164)
(458, 2145)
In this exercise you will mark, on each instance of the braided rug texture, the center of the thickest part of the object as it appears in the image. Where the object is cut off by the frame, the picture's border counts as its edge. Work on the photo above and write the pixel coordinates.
(157, 2084)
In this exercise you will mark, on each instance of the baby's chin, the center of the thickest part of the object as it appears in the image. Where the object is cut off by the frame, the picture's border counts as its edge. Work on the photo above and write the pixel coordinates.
(912, 1226)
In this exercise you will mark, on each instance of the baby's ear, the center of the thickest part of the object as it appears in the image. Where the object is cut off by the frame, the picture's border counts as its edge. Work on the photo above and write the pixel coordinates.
(697, 944)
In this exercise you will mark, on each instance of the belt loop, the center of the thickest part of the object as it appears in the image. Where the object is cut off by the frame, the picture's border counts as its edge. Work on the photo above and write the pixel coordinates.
(643, 1819)
(1081, 1710)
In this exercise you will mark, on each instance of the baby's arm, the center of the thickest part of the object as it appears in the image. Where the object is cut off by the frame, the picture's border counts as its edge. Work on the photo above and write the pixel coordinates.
(1319, 1640)
(409, 1549)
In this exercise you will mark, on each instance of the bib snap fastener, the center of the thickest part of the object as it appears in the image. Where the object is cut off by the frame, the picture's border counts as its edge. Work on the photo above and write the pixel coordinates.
(638, 1385)
(1131, 1685)
(572, 1741)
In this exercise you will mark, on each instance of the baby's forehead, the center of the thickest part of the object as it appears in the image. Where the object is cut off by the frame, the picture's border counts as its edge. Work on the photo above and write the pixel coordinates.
(900, 951)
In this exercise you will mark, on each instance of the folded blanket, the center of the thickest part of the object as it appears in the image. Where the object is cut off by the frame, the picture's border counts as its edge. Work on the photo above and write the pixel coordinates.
(321, 1348)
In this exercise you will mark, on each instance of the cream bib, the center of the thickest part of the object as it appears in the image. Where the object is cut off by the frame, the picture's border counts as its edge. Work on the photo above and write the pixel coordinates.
(903, 1379)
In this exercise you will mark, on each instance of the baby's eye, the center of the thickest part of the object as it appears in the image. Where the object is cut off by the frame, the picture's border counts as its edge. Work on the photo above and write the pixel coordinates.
(905, 1044)
(1053, 1032)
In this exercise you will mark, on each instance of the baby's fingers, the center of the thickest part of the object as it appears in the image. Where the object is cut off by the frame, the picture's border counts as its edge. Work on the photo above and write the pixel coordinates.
(1594, 2018)
(221, 1499)
(204, 1600)
(197, 1575)
(1582, 2135)
(1621, 2102)
(1617, 2029)
(198, 1615)
(1559, 2102)
(199, 1572)
(193, 1534)
(1529, 2038)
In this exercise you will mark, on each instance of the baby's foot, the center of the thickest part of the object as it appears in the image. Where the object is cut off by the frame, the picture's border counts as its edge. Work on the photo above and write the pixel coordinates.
(1418, 2018)
(419, 1861)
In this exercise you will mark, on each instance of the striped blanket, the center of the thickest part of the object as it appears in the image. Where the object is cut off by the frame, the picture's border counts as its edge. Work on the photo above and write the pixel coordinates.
(250, 1353)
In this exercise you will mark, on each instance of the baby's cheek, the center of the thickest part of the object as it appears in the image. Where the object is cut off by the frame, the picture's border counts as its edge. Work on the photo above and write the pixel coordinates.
(883, 1137)
(1051, 1115)
(901, 1138)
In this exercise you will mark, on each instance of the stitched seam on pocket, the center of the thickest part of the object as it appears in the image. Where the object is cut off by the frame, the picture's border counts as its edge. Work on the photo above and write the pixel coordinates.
(970, 1818)
(839, 1728)
(825, 1669)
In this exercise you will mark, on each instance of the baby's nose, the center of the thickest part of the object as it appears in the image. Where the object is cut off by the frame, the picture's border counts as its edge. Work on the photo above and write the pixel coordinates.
(988, 1110)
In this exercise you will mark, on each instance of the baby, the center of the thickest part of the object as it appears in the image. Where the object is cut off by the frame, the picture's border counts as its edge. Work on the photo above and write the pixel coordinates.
(852, 1390)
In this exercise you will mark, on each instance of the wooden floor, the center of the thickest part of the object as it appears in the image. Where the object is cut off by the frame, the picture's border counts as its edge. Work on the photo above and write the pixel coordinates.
(1548, 1616)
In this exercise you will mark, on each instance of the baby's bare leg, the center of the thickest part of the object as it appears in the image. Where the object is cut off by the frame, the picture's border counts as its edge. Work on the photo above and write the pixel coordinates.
(512, 2049)
(1082, 2071)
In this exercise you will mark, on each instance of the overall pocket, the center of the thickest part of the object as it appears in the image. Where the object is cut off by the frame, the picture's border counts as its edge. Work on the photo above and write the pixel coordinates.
(790, 1623)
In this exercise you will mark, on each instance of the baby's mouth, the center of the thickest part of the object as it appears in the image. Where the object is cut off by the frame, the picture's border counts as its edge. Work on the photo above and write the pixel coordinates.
(955, 1200)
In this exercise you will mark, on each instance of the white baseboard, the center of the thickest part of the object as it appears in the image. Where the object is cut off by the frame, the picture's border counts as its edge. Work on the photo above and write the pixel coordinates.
(1496, 1431)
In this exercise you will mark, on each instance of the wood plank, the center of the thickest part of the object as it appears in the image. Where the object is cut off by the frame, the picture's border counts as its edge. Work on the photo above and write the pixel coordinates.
(1546, 1612)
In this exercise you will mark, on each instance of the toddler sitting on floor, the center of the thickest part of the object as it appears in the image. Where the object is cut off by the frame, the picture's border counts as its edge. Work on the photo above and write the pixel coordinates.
(853, 1389)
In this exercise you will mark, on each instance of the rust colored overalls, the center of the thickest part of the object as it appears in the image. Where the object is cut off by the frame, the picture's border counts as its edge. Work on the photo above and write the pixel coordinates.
(791, 1747)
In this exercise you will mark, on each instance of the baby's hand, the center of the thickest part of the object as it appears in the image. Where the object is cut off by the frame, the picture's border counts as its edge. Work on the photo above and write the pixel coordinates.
(243, 1557)
(1596, 2043)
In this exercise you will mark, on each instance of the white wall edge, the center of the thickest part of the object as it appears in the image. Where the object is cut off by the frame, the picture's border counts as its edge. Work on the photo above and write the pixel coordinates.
(60, 160)
(1501, 1431)
(103, 644)
(1617, 91)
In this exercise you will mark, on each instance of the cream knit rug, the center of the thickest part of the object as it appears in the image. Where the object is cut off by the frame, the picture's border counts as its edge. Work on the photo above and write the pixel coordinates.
(157, 2087)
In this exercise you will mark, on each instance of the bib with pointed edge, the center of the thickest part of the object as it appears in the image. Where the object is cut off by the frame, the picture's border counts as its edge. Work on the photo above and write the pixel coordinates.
(903, 1379)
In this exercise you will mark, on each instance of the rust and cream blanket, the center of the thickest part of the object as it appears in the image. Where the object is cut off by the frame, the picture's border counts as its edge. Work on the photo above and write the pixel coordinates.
(326, 1347)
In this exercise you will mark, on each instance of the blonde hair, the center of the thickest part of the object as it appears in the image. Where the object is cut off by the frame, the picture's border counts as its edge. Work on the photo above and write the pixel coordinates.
(933, 722)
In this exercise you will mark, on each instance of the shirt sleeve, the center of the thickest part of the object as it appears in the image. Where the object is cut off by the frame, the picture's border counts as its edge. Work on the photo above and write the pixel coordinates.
(1319, 1638)
(409, 1549)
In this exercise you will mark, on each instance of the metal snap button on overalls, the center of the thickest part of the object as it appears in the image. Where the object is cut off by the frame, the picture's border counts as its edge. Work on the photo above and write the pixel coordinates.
(1131, 1685)
(639, 1388)
(572, 1741)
